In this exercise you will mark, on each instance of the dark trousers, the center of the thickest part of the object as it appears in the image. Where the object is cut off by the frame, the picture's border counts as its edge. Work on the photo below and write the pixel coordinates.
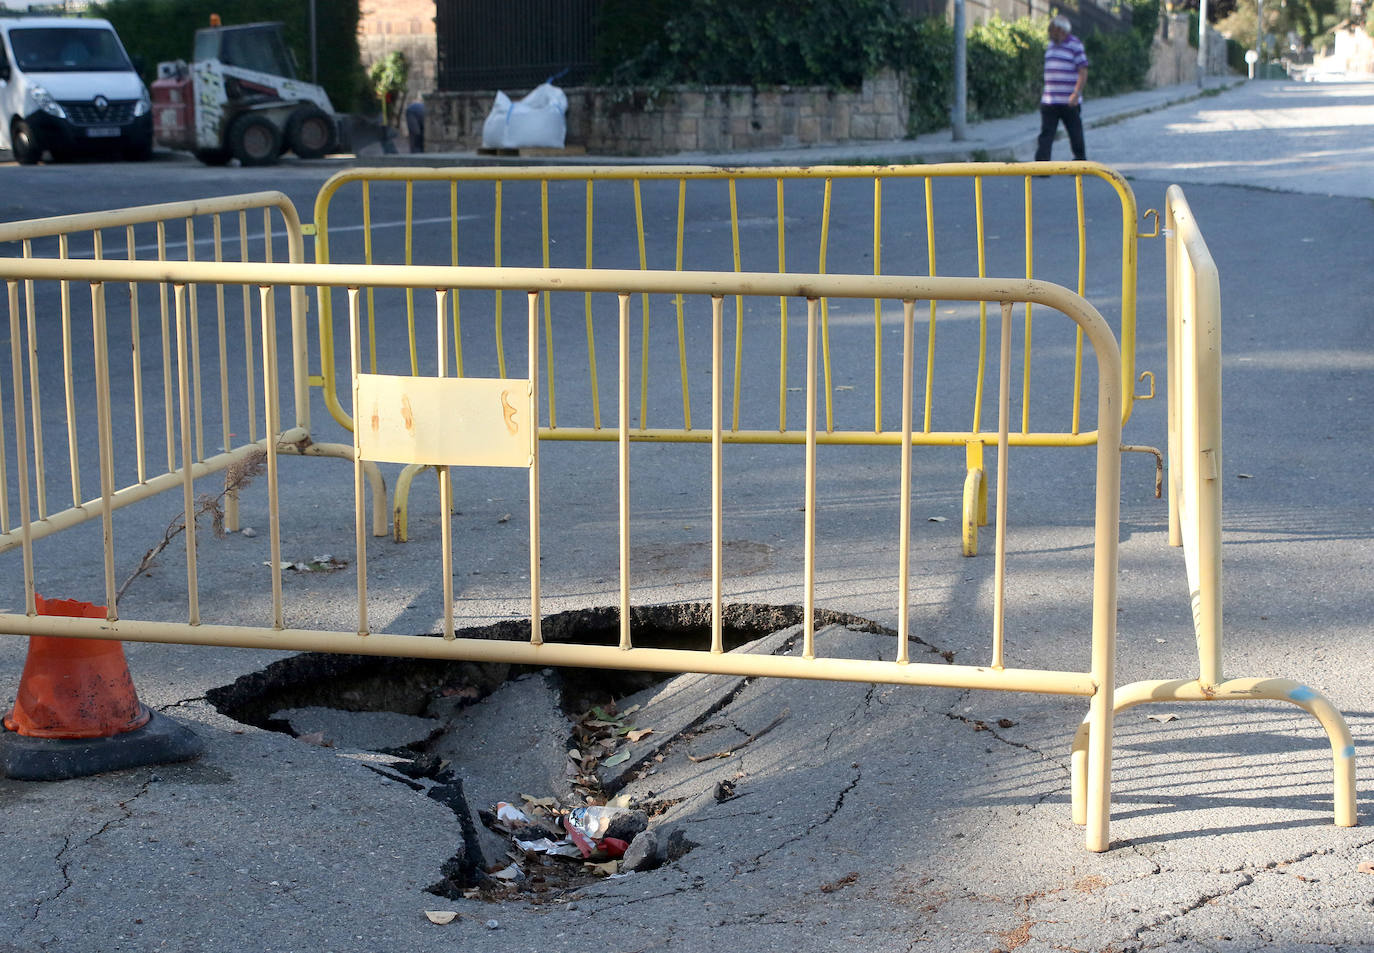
(1050, 118)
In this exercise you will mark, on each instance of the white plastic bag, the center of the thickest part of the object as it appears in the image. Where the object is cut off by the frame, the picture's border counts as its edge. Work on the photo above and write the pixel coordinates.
(537, 120)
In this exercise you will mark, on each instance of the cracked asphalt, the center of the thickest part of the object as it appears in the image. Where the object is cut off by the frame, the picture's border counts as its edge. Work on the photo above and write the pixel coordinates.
(886, 818)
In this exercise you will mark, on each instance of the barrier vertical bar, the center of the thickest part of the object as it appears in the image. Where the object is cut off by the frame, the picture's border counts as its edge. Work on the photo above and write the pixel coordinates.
(250, 375)
(982, 308)
(69, 385)
(623, 445)
(739, 306)
(809, 532)
(193, 321)
(1030, 273)
(677, 300)
(136, 365)
(371, 292)
(187, 454)
(587, 307)
(453, 260)
(445, 474)
(100, 346)
(644, 301)
(410, 292)
(536, 635)
(930, 269)
(498, 199)
(904, 529)
(168, 391)
(21, 448)
(39, 467)
(825, 307)
(1003, 446)
(548, 304)
(877, 306)
(717, 477)
(355, 365)
(12, 297)
(782, 312)
(1082, 293)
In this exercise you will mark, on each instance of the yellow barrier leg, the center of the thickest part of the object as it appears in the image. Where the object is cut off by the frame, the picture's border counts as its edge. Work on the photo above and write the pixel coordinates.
(975, 512)
(399, 509)
(1237, 689)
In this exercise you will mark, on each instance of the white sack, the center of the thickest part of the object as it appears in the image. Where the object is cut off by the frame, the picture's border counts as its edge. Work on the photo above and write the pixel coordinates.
(537, 120)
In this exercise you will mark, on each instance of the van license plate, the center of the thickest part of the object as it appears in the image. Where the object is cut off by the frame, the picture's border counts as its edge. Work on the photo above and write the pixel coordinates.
(102, 132)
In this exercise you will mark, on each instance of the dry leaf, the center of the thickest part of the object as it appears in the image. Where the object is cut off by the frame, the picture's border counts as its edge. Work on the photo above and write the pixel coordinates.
(1163, 718)
(504, 519)
(441, 916)
(603, 870)
(638, 733)
(1244, 476)
(617, 759)
(937, 519)
(1366, 867)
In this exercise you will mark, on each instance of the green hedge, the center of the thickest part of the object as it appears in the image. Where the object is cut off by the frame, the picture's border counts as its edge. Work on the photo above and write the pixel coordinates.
(158, 30)
(836, 43)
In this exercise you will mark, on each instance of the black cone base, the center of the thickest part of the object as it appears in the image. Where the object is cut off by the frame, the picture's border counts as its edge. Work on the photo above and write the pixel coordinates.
(160, 741)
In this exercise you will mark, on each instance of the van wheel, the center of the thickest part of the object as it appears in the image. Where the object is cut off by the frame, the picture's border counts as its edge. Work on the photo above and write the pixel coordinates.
(27, 150)
(310, 132)
(254, 140)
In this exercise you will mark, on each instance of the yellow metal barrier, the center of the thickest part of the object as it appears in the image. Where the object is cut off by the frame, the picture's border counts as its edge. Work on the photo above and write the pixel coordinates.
(219, 395)
(970, 219)
(444, 421)
(1195, 470)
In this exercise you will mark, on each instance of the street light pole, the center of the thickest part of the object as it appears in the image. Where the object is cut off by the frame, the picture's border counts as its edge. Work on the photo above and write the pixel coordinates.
(1201, 42)
(959, 114)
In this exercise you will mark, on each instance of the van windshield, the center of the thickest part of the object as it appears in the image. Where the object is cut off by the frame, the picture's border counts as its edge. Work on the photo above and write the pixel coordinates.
(67, 50)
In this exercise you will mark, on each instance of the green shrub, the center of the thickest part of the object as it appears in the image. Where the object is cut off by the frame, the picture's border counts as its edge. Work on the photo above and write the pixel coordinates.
(836, 43)
(1005, 67)
(158, 30)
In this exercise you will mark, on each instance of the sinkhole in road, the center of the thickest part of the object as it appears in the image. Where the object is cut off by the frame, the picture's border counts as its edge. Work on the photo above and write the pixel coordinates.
(444, 728)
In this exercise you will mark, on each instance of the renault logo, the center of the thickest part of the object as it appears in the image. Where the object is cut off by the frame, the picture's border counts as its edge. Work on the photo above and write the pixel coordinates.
(101, 103)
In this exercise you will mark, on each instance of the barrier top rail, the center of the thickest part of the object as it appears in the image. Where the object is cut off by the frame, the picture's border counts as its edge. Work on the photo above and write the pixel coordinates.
(601, 235)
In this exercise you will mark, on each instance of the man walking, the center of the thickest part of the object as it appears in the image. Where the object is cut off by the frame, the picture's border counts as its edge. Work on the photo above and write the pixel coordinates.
(1066, 70)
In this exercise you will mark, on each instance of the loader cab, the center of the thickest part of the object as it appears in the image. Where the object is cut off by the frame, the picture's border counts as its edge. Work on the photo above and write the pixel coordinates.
(252, 46)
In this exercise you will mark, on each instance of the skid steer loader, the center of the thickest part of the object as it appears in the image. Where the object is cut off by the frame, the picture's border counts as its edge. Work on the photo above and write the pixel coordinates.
(239, 98)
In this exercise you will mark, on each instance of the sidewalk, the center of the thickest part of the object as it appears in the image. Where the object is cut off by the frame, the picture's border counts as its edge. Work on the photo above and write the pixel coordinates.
(996, 140)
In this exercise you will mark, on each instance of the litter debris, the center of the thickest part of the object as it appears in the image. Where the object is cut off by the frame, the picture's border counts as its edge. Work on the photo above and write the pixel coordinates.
(1366, 867)
(1163, 718)
(441, 917)
(325, 563)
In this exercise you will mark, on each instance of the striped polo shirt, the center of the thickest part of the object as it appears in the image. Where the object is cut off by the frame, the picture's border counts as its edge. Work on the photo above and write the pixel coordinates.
(1062, 63)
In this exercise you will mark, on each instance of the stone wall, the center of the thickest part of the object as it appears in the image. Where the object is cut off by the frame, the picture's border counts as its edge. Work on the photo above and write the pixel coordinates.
(1173, 60)
(709, 119)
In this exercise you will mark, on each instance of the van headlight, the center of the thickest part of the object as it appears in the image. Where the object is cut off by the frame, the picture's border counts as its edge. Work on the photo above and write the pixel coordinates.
(44, 101)
(143, 106)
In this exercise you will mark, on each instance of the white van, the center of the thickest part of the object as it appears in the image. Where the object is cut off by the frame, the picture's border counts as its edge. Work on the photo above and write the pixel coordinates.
(67, 88)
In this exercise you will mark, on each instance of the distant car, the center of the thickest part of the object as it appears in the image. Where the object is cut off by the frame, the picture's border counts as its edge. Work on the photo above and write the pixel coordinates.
(67, 88)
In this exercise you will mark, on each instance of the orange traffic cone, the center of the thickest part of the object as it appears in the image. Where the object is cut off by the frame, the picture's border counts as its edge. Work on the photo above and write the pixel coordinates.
(76, 712)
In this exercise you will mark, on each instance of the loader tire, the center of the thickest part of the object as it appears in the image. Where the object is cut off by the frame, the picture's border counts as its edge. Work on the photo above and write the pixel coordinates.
(254, 140)
(310, 132)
